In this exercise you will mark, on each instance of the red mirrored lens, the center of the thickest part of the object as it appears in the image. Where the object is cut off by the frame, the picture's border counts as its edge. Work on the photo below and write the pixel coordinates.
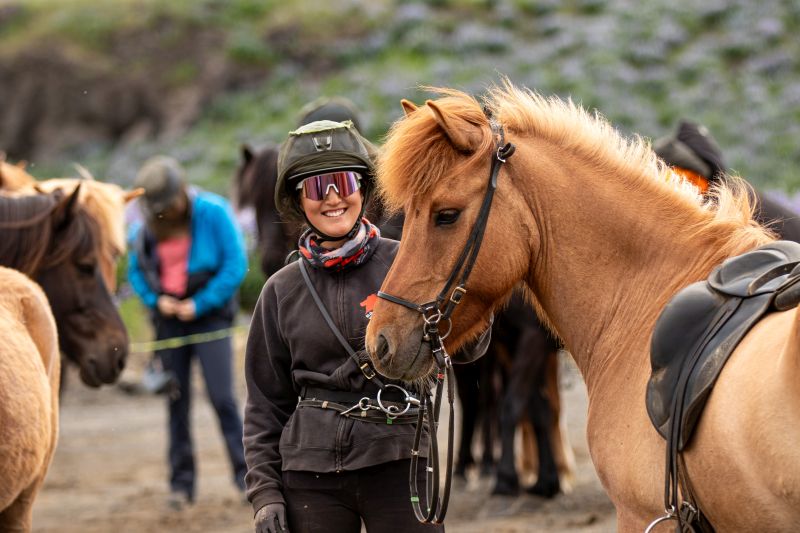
(317, 187)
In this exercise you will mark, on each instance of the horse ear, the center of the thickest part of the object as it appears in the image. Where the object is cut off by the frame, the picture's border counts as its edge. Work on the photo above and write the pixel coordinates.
(130, 195)
(66, 208)
(464, 135)
(408, 106)
(83, 172)
(247, 153)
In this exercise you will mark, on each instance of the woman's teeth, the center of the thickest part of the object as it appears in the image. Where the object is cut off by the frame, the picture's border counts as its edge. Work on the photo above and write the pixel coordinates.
(334, 213)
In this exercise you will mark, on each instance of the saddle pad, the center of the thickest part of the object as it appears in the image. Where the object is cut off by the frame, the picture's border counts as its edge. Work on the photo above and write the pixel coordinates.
(701, 326)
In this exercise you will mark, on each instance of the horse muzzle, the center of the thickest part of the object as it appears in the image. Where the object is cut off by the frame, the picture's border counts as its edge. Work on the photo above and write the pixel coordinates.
(409, 360)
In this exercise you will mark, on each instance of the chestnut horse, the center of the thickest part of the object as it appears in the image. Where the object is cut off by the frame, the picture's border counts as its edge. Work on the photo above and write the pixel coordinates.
(29, 372)
(53, 239)
(603, 235)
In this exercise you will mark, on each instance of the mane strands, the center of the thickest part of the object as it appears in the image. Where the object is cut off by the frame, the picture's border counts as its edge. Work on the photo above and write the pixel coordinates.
(729, 210)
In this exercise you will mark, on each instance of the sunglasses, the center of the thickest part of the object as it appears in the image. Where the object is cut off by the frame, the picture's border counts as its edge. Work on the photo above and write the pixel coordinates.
(317, 187)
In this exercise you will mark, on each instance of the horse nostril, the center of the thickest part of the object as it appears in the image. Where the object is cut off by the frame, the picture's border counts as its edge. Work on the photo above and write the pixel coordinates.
(381, 347)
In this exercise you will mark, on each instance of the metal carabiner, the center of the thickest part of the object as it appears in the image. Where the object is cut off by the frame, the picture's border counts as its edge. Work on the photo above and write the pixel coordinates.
(362, 404)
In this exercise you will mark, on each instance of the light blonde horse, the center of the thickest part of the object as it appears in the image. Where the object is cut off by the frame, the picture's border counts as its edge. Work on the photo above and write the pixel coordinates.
(602, 235)
(29, 380)
(105, 203)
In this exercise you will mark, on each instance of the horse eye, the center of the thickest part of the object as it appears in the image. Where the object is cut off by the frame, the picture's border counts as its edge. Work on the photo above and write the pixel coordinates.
(86, 269)
(447, 216)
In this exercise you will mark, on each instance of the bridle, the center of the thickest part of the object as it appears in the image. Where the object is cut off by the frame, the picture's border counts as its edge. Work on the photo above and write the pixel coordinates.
(433, 313)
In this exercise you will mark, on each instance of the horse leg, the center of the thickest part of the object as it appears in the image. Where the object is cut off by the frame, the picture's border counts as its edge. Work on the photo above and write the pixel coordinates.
(487, 407)
(540, 412)
(467, 377)
(17, 517)
(507, 481)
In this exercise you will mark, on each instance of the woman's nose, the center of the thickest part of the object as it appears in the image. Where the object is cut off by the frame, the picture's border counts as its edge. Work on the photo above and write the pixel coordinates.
(332, 195)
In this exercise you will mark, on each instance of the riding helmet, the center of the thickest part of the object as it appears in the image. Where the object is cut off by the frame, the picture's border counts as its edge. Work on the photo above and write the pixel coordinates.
(317, 148)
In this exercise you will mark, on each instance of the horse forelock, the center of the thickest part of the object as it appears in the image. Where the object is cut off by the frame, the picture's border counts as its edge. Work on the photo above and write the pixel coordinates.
(417, 154)
(105, 203)
(26, 230)
(81, 236)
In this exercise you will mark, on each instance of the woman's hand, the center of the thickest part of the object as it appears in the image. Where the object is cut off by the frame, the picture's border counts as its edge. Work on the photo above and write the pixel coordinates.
(186, 310)
(271, 519)
(167, 305)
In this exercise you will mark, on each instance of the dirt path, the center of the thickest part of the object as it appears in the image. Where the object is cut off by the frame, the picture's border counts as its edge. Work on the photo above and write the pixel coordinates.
(109, 474)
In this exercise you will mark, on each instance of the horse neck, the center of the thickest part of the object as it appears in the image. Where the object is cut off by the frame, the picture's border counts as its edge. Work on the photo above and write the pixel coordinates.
(612, 255)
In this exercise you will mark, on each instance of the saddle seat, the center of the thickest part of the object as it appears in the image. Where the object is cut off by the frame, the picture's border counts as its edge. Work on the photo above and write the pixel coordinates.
(703, 323)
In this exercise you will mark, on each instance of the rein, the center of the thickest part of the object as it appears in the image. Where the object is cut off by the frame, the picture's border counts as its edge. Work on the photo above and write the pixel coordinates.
(433, 312)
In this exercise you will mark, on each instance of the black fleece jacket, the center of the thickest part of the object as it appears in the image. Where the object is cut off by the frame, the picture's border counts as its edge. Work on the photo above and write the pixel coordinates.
(290, 347)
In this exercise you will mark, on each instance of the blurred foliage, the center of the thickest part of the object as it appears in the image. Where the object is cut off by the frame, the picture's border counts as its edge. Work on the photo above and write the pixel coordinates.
(644, 64)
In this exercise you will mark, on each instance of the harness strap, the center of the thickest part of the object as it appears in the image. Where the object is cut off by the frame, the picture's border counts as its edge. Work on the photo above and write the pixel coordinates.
(361, 361)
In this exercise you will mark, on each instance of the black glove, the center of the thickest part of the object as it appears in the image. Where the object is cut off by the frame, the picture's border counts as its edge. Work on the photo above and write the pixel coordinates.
(271, 519)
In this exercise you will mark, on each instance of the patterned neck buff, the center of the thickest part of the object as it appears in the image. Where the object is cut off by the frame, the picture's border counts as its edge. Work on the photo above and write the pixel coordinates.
(352, 253)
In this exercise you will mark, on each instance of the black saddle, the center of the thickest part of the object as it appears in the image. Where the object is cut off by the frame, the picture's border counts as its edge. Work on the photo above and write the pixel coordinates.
(700, 327)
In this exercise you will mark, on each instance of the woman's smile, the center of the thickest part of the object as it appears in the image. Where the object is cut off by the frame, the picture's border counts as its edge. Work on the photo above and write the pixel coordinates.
(339, 211)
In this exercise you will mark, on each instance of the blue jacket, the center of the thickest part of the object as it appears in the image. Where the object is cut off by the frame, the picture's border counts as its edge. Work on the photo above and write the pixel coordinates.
(217, 258)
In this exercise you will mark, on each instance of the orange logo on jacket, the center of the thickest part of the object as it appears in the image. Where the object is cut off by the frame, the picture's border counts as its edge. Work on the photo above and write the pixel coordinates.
(368, 304)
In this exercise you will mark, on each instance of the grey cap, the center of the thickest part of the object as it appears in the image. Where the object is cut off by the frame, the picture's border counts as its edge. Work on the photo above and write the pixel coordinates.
(335, 108)
(162, 178)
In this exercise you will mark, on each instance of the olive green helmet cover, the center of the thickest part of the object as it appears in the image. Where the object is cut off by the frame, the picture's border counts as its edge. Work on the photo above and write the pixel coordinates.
(316, 148)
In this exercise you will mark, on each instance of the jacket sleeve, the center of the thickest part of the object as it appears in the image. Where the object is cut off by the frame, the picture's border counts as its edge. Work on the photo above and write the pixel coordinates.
(136, 276)
(474, 350)
(229, 276)
(271, 400)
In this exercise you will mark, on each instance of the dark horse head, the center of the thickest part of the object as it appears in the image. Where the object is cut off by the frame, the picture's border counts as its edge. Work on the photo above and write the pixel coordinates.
(254, 186)
(52, 239)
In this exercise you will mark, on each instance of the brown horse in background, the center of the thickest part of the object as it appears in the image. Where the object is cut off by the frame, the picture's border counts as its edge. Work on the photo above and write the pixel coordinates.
(29, 380)
(52, 238)
(603, 235)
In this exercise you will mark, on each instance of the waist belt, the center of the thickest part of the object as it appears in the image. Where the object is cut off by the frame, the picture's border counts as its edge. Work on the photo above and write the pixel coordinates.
(361, 407)
(350, 397)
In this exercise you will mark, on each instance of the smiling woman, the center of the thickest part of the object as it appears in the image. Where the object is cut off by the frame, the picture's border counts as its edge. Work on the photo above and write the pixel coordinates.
(342, 455)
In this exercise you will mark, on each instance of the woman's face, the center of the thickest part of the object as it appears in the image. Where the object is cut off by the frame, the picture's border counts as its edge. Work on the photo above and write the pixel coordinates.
(334, 216)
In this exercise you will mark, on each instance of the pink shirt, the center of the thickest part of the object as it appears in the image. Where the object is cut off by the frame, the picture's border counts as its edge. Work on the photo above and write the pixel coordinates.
(173, 254)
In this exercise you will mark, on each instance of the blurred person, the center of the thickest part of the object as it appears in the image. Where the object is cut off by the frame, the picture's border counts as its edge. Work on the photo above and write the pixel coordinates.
(694, 154)
(318, 462)
(186, 263)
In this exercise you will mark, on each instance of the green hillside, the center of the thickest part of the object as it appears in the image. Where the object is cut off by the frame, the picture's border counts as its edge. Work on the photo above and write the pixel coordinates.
(644, 64)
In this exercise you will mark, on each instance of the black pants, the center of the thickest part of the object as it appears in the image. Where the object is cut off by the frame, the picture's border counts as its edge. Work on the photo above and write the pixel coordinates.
(337, 503)
(216, 362)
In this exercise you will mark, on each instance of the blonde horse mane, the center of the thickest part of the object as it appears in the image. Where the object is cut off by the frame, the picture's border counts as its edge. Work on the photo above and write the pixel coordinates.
(103, 202)
(417, 155)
